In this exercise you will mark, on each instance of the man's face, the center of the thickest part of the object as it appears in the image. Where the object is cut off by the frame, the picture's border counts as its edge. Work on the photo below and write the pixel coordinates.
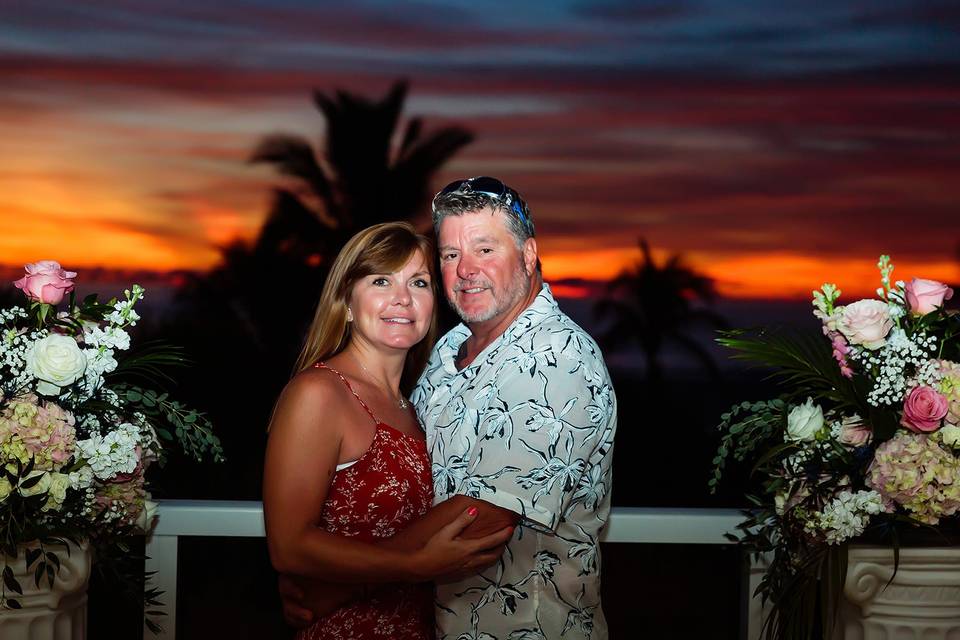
(484, 274)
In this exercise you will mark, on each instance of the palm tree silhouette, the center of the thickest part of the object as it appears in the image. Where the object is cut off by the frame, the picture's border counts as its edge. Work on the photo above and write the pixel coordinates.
(652, 305)
(243, 322)
(359, 178)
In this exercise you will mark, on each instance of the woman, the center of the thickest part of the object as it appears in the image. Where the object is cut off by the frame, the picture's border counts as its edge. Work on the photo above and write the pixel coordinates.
(346, 464)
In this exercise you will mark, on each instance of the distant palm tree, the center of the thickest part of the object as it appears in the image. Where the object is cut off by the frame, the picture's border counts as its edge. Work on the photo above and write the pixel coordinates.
(358, 177)
(652, 305)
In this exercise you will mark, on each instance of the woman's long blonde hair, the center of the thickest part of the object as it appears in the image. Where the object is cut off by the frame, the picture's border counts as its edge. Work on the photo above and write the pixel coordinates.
(382, 248)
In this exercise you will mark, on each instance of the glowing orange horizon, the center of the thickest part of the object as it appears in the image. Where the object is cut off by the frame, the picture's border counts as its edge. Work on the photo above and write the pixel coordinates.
(771, 275)
(104, 243)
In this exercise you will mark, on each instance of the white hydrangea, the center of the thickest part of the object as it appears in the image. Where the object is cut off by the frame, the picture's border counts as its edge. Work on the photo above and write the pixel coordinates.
(113, 453)
(847, 515)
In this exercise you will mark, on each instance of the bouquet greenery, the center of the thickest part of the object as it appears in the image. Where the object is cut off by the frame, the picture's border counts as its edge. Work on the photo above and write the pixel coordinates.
(864, 442)
(81, 419)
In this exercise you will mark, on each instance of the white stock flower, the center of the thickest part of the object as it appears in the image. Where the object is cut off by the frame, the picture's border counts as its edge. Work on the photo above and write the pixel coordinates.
(803, 422)
(847, 515)
(113, 453)
(56, 361)
(82, 478)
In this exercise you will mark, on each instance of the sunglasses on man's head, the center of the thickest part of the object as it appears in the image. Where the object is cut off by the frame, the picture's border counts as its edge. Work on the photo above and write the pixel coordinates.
(495, 189)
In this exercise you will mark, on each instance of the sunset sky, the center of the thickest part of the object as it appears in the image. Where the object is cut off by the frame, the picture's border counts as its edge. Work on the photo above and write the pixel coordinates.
(775, 144)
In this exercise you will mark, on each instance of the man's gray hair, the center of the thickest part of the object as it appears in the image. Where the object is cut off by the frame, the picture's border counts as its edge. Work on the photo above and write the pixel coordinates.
(457, 203)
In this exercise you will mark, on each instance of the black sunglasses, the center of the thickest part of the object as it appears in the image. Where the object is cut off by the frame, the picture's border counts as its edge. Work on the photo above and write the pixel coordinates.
(495, 189)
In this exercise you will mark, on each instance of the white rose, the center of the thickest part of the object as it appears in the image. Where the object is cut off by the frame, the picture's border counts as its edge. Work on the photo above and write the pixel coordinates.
(56, 361)
(866, 322)
(148, 515)
(804, 421)
(950, 435)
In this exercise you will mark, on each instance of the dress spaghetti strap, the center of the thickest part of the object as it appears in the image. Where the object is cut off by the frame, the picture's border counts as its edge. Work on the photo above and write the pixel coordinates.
(322, 365)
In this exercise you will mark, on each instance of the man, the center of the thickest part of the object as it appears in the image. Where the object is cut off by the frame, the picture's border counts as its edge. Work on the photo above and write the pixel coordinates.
(520, 417)
(519, 412)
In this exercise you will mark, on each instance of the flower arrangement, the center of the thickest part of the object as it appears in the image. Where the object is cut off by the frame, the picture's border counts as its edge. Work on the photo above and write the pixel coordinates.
(77, 429)
(864, 442)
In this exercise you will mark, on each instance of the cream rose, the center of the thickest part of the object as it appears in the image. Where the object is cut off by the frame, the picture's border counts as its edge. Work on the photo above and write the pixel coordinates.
(148, 515)
(56, 361)
(5, 488)
(950, 434)
(866, 322)
(42, 485)
(804, 421)
(56, 491)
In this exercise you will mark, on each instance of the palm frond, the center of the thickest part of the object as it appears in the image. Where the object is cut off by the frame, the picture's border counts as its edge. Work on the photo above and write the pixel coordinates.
(802, 362)
(149, 362)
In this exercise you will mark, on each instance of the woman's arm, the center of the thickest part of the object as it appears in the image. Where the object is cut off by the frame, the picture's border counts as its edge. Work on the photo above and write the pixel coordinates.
(301, 458)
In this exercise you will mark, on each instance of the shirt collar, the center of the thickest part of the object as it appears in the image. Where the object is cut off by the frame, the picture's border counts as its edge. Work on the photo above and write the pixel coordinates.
(542, 306)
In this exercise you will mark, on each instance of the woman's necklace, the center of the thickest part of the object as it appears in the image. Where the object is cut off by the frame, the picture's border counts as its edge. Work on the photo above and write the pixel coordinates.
(401, 402)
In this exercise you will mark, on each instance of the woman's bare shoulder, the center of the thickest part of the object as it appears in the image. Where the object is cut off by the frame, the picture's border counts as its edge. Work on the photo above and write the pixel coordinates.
(310, 395)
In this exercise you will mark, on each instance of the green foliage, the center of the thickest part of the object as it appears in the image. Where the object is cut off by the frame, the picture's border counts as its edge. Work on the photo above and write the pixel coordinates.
(746, 426)
(191, 429)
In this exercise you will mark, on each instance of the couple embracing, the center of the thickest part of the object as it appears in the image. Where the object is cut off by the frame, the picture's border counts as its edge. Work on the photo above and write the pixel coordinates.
(473, 510)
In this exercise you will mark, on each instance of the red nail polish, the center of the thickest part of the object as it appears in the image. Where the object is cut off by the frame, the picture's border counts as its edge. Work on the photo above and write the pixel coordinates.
(472, 511)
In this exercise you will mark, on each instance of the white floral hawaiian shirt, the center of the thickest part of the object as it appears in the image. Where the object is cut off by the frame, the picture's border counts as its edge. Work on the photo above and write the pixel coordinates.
(528, 426)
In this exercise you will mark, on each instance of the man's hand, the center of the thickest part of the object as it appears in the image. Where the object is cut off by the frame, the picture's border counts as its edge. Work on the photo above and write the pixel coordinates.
(295, 612)
(306, 601)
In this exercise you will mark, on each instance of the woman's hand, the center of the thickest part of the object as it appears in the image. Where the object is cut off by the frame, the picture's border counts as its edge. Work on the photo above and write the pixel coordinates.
(446, 553)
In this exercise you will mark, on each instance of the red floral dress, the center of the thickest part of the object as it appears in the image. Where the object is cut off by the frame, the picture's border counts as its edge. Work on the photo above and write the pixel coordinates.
(387, 487)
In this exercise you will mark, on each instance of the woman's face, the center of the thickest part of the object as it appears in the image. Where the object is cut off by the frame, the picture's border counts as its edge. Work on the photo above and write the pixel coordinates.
(393, 310)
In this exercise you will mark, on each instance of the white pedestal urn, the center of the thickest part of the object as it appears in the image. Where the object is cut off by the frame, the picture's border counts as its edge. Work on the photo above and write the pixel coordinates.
(59, 613)
(922, 602)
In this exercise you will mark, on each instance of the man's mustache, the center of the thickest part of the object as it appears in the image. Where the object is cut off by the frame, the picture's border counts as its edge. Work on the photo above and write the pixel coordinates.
(472, 284)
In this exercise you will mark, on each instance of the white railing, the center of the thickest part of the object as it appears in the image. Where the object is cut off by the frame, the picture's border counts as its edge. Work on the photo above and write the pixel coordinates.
(245, 519)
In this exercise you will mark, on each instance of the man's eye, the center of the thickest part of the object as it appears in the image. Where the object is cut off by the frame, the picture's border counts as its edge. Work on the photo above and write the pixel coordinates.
(486, 250)
(449, 256)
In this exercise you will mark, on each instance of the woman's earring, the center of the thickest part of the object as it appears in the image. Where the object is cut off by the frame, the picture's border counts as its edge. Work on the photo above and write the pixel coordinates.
(349, 314)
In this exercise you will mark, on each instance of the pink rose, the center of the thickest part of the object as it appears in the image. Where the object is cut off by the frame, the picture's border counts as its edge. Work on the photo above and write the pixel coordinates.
(866, 322)
(923, 410)
(46, 282)
(925, 296)
(854, 433)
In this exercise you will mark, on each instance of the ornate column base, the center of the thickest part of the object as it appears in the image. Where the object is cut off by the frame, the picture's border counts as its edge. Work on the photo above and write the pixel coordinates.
(922, 602)
(59, 613)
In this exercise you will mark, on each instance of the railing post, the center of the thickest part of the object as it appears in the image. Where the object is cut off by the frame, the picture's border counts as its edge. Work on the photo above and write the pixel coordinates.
(161, 554)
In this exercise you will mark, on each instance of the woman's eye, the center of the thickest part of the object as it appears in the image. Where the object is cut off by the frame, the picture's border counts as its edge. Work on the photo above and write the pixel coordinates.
(420, 282)
(380, 282)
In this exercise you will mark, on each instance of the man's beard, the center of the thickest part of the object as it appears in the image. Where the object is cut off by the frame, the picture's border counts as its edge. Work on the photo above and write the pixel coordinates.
(518, 289)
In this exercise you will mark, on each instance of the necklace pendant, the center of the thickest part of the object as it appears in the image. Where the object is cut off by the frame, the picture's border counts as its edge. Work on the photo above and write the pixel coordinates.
(403, 403)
